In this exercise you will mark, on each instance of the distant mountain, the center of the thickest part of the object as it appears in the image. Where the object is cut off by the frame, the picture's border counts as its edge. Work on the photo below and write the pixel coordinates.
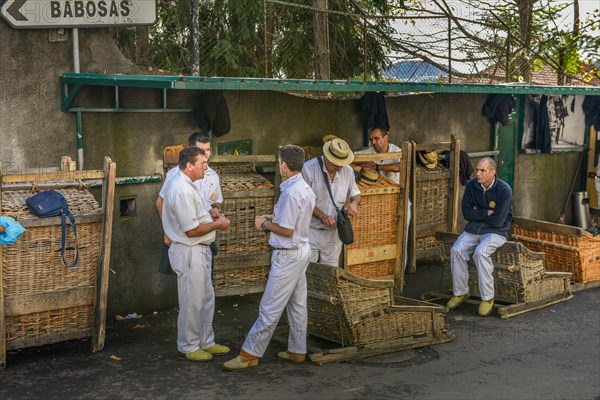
(413, 71)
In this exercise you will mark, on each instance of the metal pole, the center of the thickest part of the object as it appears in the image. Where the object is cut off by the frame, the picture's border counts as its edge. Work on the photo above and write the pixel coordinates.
(78, 129)
(449, 50)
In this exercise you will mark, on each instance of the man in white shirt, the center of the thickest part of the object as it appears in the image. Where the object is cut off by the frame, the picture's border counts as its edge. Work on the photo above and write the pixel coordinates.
(209, 186)
(323, 237)
(380, 144)
(191, 229)
(286, 287)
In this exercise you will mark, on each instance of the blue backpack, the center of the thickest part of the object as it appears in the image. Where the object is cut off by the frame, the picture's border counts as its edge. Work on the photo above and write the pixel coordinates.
(51, 203)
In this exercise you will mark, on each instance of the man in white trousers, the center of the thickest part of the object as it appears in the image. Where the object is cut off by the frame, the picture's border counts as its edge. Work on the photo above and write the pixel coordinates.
(286, 286)
(191, 229)
(487, 205)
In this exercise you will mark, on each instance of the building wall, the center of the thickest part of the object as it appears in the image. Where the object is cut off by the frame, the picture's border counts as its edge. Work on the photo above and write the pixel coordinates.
(34, 132)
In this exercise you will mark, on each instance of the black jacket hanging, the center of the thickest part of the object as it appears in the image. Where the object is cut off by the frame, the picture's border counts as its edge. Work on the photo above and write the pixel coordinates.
(541, 131)
(498, 107)
(372, 107)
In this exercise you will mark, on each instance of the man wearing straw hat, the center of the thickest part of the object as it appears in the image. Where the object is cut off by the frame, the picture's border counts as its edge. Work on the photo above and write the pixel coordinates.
(380, 144)
(324, 242)
(487, 205)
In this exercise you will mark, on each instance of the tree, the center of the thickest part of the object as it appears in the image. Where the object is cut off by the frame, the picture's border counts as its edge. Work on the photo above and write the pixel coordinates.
(515, 37)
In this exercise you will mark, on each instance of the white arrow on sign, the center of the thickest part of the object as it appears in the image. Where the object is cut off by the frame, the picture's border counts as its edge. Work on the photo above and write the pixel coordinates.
(39, 14)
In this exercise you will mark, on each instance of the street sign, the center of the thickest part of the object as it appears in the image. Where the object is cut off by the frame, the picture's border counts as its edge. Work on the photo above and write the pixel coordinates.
(41, 14)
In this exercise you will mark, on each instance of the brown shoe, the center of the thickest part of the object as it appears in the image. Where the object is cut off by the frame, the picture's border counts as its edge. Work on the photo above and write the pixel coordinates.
(290, 357)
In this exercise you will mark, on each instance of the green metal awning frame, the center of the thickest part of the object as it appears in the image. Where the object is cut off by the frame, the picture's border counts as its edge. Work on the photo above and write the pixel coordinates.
(71, 84)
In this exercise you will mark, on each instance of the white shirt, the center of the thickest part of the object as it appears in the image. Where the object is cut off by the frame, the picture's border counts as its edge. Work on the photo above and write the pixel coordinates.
(293, 210)
(209, 187)
(183, 210)
(392, 148)
(343, 186)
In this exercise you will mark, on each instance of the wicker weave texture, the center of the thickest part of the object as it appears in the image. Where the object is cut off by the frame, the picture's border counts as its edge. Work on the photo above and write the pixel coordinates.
(353, 314)
(375, 225)
(428, 248)
(241, 277)
(34, 263)
(523, 281)
(49, 323)
(432, 191)
(242, 244)
(80, 202)
(373, 270)
(582, 258)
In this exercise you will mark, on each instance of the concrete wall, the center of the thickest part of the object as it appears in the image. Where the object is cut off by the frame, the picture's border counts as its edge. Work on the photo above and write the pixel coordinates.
(34, 132)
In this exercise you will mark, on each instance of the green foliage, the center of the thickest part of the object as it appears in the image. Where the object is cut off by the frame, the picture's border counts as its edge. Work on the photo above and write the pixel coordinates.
(237, 38)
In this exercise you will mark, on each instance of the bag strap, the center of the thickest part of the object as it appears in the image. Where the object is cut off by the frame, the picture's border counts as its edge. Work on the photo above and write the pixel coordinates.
(64, 214)
(326, 178)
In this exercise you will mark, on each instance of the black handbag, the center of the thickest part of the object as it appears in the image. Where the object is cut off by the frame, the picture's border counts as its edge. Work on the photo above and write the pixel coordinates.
(344, 225)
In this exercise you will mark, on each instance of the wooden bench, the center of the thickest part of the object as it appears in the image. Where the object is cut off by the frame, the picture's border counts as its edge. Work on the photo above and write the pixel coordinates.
(521, 281)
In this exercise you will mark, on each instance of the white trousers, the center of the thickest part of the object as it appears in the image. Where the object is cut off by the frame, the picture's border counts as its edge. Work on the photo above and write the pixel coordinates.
(196, 297)
(286, 289)
(481, 247)
(325, 246)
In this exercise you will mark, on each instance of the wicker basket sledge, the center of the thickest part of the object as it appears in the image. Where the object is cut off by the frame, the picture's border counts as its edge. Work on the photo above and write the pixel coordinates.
(44, 300)
(567, 248)
(519, 274)
(373, 253)
(353, 311)
(431, 207)
(242, 265)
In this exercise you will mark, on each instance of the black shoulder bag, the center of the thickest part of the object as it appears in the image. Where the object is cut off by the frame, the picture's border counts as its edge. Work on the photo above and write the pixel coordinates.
(344, 225)
(51, 203)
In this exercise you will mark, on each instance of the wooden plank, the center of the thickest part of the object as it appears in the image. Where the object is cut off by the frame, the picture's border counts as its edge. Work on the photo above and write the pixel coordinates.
(432, 146)
(354, 353)
(578, 286)
(256, 158)
(412, 245)
(543, 226)
(239, 291)
(46, 185)
(521, 308)
(52, 337)
(454, 180)
(377, 157)
(40, 302)
(545, 243)
(372, 254)
(80, 219)
(2, 323)
(374, 190)
(403, 214)
(53, 176)
(108, 199)
(400, 300)
(248, 193)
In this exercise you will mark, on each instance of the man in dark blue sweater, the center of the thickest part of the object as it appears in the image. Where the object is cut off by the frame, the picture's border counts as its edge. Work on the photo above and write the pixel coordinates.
(487, 205)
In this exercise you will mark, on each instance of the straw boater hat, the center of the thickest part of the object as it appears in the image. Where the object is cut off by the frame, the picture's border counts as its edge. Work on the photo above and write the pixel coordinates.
(338, 152)
(369, 176)
(328, 138)
(429, 159)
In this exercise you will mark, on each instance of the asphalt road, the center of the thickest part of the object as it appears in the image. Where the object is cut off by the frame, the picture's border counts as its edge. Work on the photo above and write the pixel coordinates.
(551, 353)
